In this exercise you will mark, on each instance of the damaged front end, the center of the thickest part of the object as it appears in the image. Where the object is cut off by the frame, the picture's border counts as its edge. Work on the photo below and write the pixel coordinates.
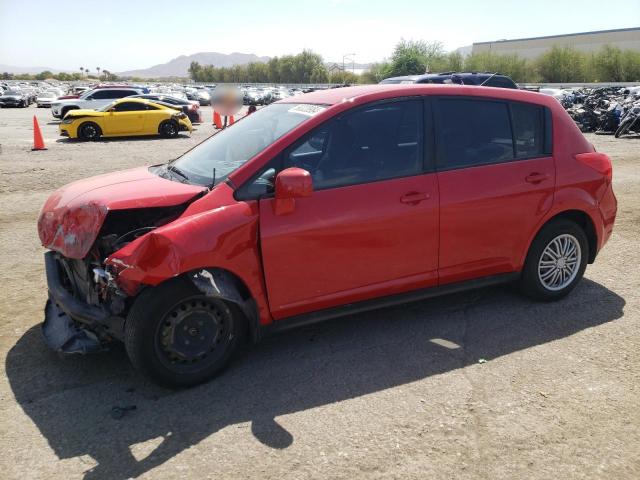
(86, 307)
(82, 224)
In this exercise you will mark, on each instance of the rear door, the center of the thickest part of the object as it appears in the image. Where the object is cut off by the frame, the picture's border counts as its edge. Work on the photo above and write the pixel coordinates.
(496, 177)
(371, 226)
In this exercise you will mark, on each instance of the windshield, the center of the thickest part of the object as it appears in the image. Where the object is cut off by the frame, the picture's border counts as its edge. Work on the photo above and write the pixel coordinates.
(232, 147)
(106, 107)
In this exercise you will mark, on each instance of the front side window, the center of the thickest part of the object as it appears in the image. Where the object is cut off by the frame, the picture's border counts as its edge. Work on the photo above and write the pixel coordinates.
(129, 107)
(473, 132)
(374, 143)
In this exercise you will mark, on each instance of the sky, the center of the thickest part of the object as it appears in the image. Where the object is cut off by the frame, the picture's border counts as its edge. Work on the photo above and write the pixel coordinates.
(123, 35)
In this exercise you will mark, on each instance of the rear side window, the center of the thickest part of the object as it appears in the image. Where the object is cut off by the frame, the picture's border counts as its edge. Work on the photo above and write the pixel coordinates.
(120, 93)
(528, 130)
(473, 132)
(500, 82)
(101, 95)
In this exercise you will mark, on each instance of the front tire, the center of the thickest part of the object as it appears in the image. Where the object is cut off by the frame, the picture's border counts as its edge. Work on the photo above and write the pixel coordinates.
(179, 337)
(556, 261)
(624, 127)
(169, 129)
(89, 131)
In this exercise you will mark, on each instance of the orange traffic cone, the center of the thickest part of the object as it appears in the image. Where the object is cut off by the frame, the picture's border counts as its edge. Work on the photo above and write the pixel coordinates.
(231, 120)
(38, 142)
(217, 121)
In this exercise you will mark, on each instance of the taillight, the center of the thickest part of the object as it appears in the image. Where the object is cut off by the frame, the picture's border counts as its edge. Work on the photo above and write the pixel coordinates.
(600, 162)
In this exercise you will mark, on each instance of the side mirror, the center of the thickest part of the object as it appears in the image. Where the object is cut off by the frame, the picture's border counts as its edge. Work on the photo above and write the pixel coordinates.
(291, 183)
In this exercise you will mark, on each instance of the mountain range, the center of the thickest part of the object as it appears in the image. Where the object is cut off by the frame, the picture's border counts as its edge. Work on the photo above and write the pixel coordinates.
(179, 67)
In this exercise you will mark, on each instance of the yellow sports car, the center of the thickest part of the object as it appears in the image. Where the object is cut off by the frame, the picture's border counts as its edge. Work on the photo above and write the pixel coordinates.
(123, 118)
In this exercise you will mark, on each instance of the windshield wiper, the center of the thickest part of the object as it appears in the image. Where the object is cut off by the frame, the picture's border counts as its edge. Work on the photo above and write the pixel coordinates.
(177, 171)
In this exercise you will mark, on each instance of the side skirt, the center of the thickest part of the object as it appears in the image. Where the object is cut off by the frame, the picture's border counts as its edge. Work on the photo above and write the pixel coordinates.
(382, 302)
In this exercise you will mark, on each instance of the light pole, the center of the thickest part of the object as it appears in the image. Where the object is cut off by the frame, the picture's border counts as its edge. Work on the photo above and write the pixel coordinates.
(346, 55)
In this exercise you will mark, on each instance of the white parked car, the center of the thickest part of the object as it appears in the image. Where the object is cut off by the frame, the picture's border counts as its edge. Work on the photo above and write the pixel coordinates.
(46, 98)
(92, 100)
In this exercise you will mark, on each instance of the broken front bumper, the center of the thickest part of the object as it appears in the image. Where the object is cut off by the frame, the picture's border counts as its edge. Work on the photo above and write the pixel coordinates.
(71, 325)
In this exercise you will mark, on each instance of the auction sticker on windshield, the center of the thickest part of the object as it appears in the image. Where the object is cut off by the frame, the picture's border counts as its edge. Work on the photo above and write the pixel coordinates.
(307, 109)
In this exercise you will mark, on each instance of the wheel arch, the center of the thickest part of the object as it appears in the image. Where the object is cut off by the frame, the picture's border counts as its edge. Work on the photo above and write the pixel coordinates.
(83, 122)
(583, 220)
(165, 120)
(225, 285)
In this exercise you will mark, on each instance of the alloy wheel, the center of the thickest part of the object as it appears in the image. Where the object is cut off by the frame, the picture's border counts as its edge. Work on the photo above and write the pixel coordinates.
(560, 262)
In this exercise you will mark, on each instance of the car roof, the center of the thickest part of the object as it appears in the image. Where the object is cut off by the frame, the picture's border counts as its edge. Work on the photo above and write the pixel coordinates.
(133, 99)
(364, 93)
(446, 75)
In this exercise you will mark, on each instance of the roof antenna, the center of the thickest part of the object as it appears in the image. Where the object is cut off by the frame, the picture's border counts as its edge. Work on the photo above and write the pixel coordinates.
(492, 75)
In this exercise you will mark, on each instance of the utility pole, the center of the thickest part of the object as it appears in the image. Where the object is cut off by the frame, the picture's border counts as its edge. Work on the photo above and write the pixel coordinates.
(346, 55)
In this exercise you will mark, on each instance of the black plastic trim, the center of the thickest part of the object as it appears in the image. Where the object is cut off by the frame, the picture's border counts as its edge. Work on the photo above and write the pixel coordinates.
(70, 305)
(381, 302)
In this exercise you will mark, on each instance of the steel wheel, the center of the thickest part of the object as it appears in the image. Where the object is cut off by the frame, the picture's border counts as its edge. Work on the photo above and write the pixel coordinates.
(194, 334)
(560, 262)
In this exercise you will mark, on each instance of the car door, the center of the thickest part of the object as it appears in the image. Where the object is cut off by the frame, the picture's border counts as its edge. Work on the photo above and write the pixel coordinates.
(125, 118)
(369, 228)
(496, 178)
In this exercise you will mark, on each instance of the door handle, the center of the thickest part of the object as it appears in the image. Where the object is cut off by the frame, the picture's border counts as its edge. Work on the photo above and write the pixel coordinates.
(536, 177)
(414, 198)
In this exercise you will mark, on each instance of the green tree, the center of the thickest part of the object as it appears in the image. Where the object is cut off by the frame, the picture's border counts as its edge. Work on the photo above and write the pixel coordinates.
(413, 57)
(562, 64)
(44, 75)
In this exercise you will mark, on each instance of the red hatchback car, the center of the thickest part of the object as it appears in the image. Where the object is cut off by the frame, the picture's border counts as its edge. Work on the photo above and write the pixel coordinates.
(319, 205)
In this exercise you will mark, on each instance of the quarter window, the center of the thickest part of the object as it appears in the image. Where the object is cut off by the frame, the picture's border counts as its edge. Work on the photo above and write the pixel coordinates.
(528, 129)
(473, 132)
(375, 143)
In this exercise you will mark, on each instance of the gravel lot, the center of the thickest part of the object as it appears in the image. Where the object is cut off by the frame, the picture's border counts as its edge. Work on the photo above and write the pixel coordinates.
(483, 384)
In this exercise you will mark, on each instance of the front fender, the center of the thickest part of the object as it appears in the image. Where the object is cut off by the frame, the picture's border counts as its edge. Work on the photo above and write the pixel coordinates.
(225, 238)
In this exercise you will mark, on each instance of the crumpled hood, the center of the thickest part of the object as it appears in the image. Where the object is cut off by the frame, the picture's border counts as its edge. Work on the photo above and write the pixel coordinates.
(83, 112)
(71, 218)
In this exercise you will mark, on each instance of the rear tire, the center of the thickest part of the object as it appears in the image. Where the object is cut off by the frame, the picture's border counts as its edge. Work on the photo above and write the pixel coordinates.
(179, 337)
(169, 129)
(556, 261)
(89, 131)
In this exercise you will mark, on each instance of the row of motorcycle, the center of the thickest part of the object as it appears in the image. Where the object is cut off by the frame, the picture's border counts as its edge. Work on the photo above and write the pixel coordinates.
(604, 110)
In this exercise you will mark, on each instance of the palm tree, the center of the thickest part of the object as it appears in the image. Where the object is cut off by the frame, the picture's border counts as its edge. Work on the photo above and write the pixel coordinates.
(81, 71)
(98, 69)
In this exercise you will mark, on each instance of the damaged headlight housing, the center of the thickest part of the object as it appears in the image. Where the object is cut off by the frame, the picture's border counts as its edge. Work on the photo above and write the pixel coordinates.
(67, 121)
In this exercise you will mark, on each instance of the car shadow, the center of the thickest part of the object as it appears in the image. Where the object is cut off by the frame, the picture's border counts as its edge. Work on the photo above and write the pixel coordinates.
(70, 400)
(144, 138)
